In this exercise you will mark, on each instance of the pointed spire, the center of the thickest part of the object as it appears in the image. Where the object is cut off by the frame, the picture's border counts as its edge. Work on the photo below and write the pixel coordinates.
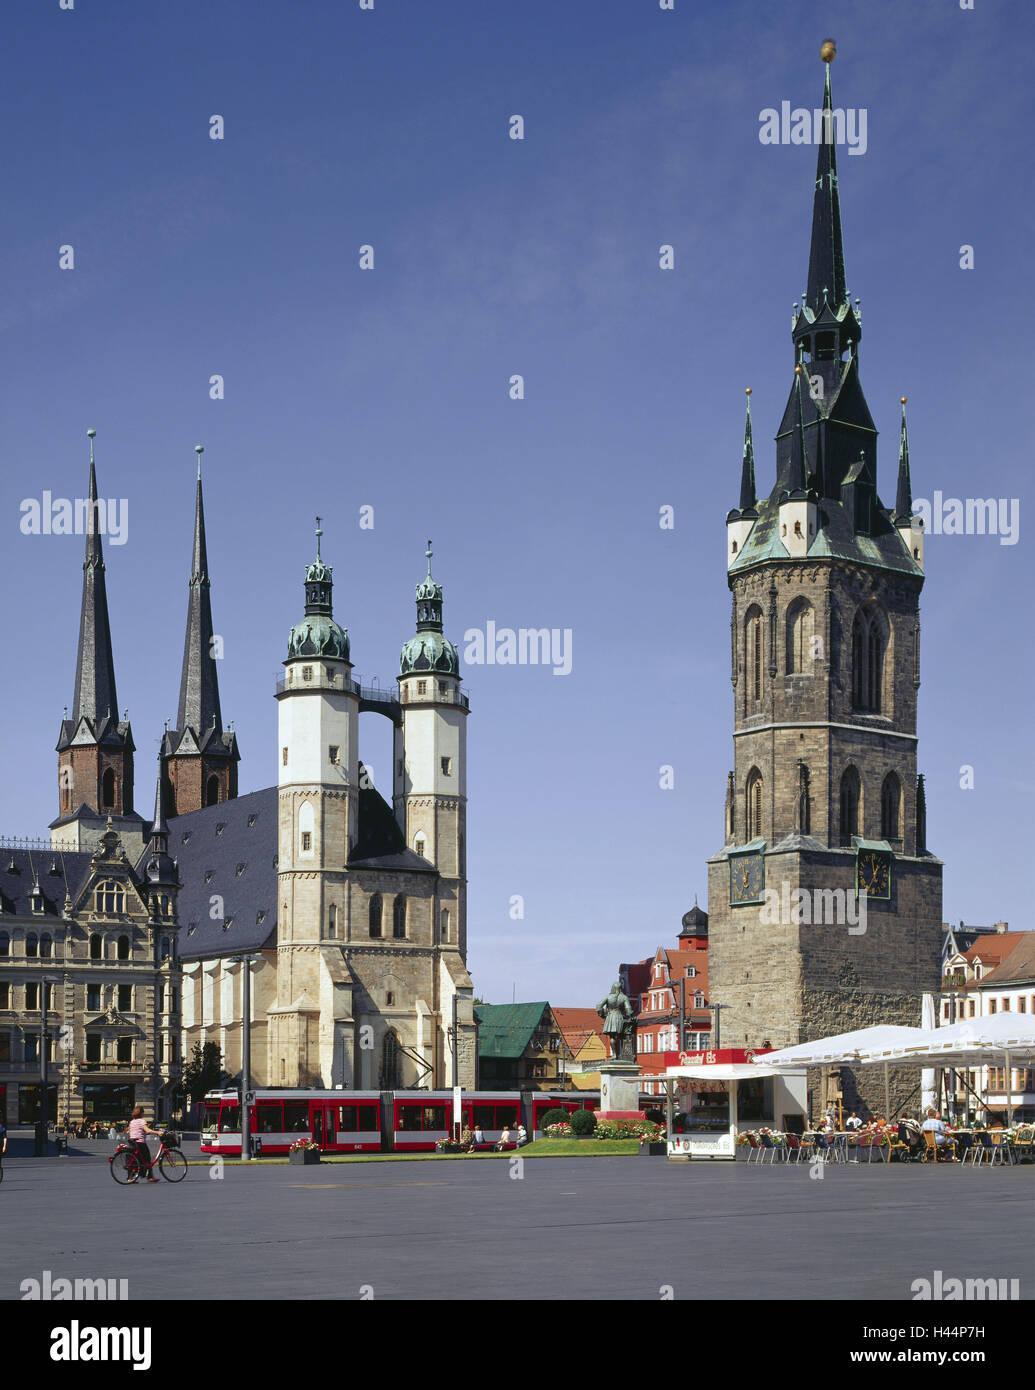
(199, 685)
(159, 829)
(826, 252)
(904, 496)
(748, 496)
(95, 670)
(798, 475)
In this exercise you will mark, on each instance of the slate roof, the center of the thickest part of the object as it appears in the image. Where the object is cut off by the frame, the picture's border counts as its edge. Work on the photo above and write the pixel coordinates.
(59, 871)
(229, 850)
(504, 1030)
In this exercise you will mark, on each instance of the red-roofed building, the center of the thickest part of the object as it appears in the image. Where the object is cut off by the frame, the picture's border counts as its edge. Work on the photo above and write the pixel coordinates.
(658, 986)
(995, 974)
(582, 1031)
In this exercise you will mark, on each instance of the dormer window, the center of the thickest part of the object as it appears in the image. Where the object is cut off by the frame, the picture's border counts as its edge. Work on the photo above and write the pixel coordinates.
(111, 898)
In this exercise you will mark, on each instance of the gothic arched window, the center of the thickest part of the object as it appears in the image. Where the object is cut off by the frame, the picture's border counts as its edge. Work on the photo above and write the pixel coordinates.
(389, 1079)
(800, 629)
(753, 818)
(212, 791)
(399, 917)
(851, 797)
(890, 807)
(108, 787)
(869, 647)
(375, 915)
(753, 654)
(96, 947)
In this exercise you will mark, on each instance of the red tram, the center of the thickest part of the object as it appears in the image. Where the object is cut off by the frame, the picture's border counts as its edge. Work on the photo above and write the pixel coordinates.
(373, 1121)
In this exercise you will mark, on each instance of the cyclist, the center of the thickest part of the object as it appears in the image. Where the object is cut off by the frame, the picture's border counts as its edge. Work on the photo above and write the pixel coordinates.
(138, 1129)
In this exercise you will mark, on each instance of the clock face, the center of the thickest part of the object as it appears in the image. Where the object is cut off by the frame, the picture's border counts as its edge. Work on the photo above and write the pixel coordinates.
(873, 873)
(747, 878)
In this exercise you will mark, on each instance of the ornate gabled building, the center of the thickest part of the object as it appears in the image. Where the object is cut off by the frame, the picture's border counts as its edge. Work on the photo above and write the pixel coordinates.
(824, 805)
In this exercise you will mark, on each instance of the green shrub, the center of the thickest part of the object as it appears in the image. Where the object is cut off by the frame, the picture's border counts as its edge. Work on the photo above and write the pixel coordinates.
(555, 1116)
(583, 1122)
(656, 1116)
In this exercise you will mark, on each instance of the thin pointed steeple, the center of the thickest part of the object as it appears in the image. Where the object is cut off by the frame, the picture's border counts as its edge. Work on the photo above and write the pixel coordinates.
(904, 495)
(797, 477)
(826, 252)
(199, 684)
(95, 694)
(748, 495)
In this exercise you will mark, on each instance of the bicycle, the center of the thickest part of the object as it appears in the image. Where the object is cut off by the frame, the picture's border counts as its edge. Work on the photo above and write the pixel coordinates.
(126, 1166)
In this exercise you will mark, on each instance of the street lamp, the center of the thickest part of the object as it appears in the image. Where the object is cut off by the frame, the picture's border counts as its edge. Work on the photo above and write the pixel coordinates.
(246, 1053)
(45, 980)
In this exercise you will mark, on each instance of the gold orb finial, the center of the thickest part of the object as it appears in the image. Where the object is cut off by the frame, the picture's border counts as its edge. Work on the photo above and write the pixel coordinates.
(797, 370)
(828, 51)
(747, 390)
(903, 399)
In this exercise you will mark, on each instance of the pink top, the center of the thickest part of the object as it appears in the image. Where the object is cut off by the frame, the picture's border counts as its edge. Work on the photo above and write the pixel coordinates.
(138, 1131)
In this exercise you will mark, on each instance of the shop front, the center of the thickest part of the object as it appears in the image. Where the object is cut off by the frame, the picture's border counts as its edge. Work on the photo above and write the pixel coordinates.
(709, 1103)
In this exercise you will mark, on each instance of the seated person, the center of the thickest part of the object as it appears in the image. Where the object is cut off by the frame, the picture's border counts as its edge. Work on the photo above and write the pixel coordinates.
(938, 1128)
(853, 1122)
(503, 1140)
(466, 1140)
(522, 1135)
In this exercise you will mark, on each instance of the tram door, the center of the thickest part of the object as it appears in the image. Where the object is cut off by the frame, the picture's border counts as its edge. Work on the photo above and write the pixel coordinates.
(324, 1130)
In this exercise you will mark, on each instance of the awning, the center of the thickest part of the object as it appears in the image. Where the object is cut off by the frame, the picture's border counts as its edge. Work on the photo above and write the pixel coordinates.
(729, 1071)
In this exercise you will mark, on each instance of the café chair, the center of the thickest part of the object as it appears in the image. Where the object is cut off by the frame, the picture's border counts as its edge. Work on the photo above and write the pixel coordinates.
(932, 1147)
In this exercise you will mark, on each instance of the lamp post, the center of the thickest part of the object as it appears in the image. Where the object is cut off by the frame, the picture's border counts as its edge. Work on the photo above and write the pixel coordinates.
(45, 980)
(246, 1054)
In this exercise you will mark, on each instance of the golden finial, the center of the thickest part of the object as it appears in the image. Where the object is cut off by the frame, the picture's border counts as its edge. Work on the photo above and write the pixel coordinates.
(903, 399)
(797, 370)
(828, 51)
(747, 390)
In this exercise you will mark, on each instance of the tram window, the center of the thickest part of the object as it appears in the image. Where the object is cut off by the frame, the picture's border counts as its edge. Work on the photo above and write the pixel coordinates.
(230, 1119)
(271, 1118)
(409, 1117)
(210, 1117)
(505, 1115)
(434, 1117)
(296, 1117)
(347, 1119)
(484, 1117)
(369, 1120)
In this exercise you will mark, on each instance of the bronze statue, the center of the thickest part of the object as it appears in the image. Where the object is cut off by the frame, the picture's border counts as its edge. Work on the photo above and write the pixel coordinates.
(619, 1024)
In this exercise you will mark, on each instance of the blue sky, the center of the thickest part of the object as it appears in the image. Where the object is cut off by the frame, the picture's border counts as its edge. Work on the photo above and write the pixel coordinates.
(389, 388)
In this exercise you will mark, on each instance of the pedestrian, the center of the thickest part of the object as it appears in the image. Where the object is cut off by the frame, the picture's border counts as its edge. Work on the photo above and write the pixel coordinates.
(3, 1139)
(139, 1129)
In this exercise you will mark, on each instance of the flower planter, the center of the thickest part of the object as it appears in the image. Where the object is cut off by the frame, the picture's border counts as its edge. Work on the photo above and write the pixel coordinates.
(304, 1156)
(654, 1150)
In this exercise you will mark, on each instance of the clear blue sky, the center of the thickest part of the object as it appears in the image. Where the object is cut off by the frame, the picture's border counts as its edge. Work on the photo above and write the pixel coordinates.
(389, 388)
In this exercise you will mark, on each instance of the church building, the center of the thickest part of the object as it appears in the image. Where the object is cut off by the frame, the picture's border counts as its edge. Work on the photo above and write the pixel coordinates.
(825, 902)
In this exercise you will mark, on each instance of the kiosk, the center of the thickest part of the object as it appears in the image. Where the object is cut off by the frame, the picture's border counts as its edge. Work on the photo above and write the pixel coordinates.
(708, 1103)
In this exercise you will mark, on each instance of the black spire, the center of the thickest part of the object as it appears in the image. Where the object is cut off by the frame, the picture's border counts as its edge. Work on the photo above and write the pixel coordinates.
(160, 868)
(94, 670)
(797, 476)
(904, 495)
(199, 684)
(748, 496)
(826, 252)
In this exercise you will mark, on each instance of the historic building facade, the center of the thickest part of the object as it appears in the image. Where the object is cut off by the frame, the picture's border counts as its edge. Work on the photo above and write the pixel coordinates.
(824, 806)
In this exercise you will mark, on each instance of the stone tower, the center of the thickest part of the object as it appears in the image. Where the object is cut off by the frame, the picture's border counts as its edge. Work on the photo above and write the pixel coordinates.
(430, 780)
(199, 757)
(95, 748)
(318, 777)
(825, 903)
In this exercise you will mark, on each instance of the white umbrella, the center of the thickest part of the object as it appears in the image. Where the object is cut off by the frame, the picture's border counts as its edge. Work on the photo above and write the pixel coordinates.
(999, 1039)
(928, 1077)
(847, 1047)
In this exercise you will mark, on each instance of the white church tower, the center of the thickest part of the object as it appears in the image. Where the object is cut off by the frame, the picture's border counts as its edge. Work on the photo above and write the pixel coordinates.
(430, 775)
(318, 782)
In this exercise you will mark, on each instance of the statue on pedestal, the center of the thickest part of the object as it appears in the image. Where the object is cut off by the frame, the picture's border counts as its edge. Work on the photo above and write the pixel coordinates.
(619, 1024)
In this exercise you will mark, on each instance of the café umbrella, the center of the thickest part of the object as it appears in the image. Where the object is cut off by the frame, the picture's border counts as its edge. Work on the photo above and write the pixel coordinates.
(998, 1040)
(847, 1048)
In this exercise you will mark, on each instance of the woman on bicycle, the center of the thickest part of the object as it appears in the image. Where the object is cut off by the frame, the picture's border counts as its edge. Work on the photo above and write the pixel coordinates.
(138, 1130)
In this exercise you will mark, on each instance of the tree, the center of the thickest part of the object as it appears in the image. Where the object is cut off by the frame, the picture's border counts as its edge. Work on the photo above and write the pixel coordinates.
(203, 1072)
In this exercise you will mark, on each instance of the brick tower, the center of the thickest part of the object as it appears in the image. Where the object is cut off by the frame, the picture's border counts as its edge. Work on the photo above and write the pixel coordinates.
(825, 904)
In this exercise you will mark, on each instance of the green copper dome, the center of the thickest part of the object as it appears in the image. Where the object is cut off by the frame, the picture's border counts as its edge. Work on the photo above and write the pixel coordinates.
(318, 634)
(430, 650)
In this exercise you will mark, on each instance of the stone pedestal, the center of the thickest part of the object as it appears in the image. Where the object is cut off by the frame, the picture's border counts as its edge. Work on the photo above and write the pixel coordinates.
(619, 1090)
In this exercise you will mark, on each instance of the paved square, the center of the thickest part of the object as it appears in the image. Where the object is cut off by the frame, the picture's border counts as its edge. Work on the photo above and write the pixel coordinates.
(466, 1229)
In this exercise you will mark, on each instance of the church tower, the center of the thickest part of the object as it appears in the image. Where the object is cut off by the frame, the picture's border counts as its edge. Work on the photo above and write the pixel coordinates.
(825, 904)
(199, 757)
(319, 772)
(430, 783)
(95, 748)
